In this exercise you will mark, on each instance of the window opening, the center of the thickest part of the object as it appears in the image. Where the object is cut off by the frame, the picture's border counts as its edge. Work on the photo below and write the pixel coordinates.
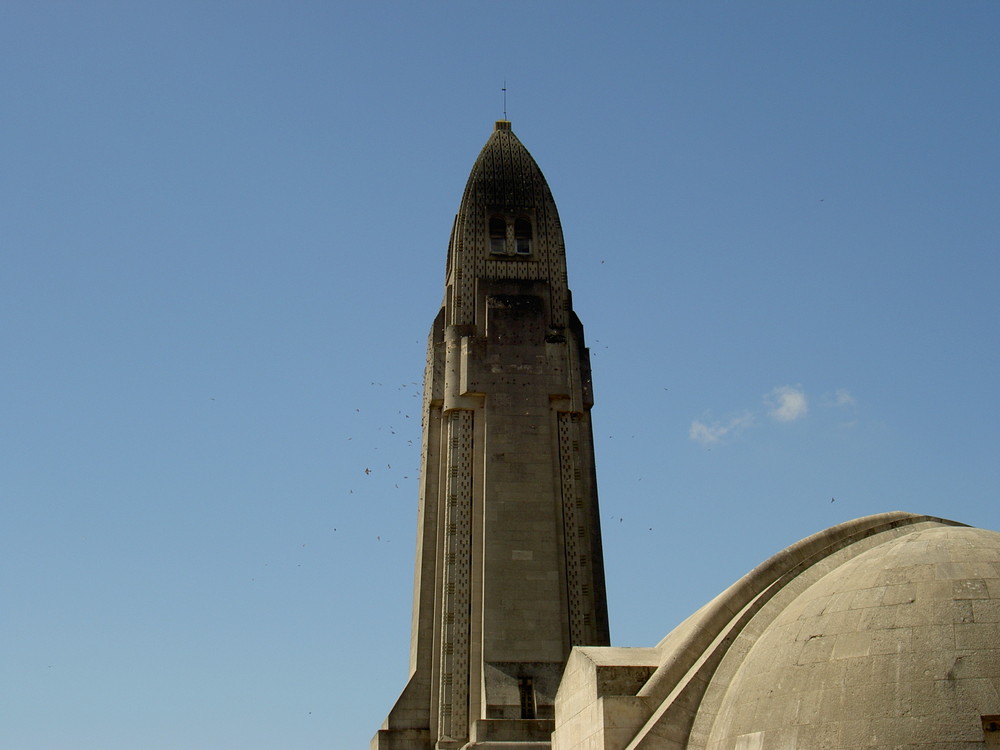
(498, 235)
(522, 236)
(991, 729)
(526, 686)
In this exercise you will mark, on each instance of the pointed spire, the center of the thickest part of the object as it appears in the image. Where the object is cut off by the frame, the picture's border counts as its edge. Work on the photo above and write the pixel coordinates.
(507, 227)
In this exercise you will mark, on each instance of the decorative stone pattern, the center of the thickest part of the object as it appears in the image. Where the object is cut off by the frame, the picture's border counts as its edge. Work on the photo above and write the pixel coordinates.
(454, 700)
(506, 180)
(575, 532)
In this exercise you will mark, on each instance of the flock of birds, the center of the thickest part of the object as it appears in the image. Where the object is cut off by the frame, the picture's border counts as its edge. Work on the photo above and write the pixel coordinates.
(369, 471)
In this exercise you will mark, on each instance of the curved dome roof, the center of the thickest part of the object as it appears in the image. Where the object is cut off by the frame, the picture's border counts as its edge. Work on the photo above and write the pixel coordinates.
(882, 632)
(505, 176)
(896, 646)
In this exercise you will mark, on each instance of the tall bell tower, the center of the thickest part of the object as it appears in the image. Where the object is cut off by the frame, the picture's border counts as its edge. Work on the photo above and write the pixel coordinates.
(509, 569)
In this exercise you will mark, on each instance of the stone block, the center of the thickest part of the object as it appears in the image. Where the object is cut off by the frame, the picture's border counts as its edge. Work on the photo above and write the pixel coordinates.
(511, 730)
(976, 635)
(816, 649)
(850, 645)
(891, 641)
(970, 588)
(985, 611)
(401, 739)
(904, 593)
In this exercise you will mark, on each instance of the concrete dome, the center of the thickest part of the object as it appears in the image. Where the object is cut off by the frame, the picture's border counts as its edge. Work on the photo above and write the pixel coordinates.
(882, 632)
(895, 646)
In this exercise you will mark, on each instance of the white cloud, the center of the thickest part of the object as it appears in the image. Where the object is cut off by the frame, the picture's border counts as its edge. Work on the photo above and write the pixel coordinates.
(710, 434)
(787, 403)
(841, 397)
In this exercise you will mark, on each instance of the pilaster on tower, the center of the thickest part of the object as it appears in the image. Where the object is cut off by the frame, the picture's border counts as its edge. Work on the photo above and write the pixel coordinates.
(509, 570)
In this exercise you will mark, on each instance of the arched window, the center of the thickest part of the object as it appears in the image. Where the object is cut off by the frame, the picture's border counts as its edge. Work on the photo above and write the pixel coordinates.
(522, 236)
(498, 235)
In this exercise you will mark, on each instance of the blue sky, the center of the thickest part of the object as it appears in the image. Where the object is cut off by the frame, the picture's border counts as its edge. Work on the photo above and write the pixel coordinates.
(223, 228)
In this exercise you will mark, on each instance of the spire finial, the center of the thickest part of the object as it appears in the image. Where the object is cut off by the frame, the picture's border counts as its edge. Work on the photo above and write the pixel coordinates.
(504, 90)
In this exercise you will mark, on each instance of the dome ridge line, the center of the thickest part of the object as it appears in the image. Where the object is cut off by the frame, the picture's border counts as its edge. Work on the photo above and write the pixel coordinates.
(705, 625)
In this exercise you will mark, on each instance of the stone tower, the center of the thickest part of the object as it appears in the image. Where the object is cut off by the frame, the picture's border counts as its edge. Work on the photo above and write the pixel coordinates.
(509, 569)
